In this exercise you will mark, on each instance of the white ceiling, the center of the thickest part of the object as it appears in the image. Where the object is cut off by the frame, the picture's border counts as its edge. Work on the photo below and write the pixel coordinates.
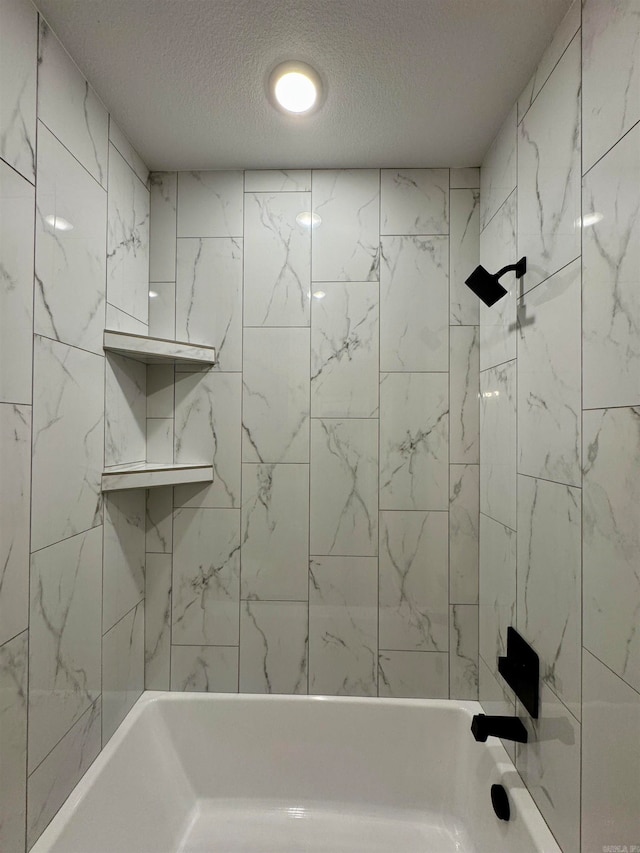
(408, 82)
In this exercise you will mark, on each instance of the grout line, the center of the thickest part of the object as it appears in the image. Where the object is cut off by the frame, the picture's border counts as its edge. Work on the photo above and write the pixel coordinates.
(31, 443)
(612, 671)
(31, 183)
(546, 79)
(581, 646)
(71, 346)
(609, 150)
(71, 154)
(86, 711)
(547, 480)
(379, 466)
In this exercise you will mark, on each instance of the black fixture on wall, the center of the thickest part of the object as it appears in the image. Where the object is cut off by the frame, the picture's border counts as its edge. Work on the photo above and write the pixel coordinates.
(521, 670)
(486, 286)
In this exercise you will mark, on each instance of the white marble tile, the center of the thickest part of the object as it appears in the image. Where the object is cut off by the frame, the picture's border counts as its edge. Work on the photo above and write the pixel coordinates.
(52, 782)
(209, 297)
(160, 440)
(210, 204)
(414, 581)
(68, 435)
(463, 651)
(344, 489)
(610, 759)
(163, 205)
(157, 621)
(275, 532)
(413, 675)
(550, 767)
(206, 576)
(497, 593)
(159, 515)
(274, 642)
(15, 464)
(127, 239)
(498, 323)
(414, 441)
(496, 700)
(70, 264)
(498, 443)
(549, 173)
(345, 350)
(464, 522)
(464, 393)
(277, 180)
(345, 243)
(611, 277)
(64, 638)
(343, 626)
(414, 303)
(160, 383)
(277, 260)
(207, 427)
(126, 149)
(13, 742)
(162, 310)
(124, 554)
(18, 71)
(549, 554)
(561, 38)
(611, 539)
(69, 106)
(122, 669)
(414, 201)
(204, 669)
(125, 410)
(275, 414)
(549, 379)
(17, 199)
(498, 172)
(610, 74)
(468, 178)
(464, 256)
(120, 321)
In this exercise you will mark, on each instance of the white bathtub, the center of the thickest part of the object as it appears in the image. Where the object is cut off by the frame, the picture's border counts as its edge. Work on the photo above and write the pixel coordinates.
(277, 774)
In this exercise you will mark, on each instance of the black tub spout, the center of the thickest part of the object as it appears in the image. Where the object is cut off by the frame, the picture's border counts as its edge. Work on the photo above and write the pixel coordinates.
(508, 728)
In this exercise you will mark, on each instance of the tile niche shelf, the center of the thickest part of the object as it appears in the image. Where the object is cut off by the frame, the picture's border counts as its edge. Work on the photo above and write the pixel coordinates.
(146, 475)
(157, 350)
(148, 350)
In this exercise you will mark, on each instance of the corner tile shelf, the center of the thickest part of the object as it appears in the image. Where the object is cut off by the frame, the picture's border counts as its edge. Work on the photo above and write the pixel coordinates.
(146, 475)
(148, 350)
(156, 350)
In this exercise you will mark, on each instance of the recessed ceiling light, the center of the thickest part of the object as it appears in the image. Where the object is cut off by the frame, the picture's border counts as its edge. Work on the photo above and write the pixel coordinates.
(319, 294)
(308, 219)
(58, 223)
(295, 88)
(152, 294)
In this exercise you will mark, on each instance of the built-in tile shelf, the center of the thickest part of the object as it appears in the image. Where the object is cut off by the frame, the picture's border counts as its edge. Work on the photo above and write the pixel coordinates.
(157, 350)
(146, 475)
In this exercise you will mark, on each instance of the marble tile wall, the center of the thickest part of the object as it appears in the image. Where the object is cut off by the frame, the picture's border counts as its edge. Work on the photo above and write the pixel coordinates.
(559, 418)
(74, 209)
(343, 422)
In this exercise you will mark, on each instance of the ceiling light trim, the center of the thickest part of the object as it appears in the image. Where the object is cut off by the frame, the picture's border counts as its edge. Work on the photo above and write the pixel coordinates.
(295, 66)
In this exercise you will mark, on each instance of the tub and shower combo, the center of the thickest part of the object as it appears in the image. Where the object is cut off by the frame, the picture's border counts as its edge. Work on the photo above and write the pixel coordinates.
(218, 773)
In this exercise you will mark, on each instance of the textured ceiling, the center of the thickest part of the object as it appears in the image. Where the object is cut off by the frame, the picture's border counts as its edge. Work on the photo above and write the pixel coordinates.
(408, 82)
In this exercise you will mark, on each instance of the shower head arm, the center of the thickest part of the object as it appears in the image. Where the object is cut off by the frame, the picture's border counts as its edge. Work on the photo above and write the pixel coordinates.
(520, 269)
